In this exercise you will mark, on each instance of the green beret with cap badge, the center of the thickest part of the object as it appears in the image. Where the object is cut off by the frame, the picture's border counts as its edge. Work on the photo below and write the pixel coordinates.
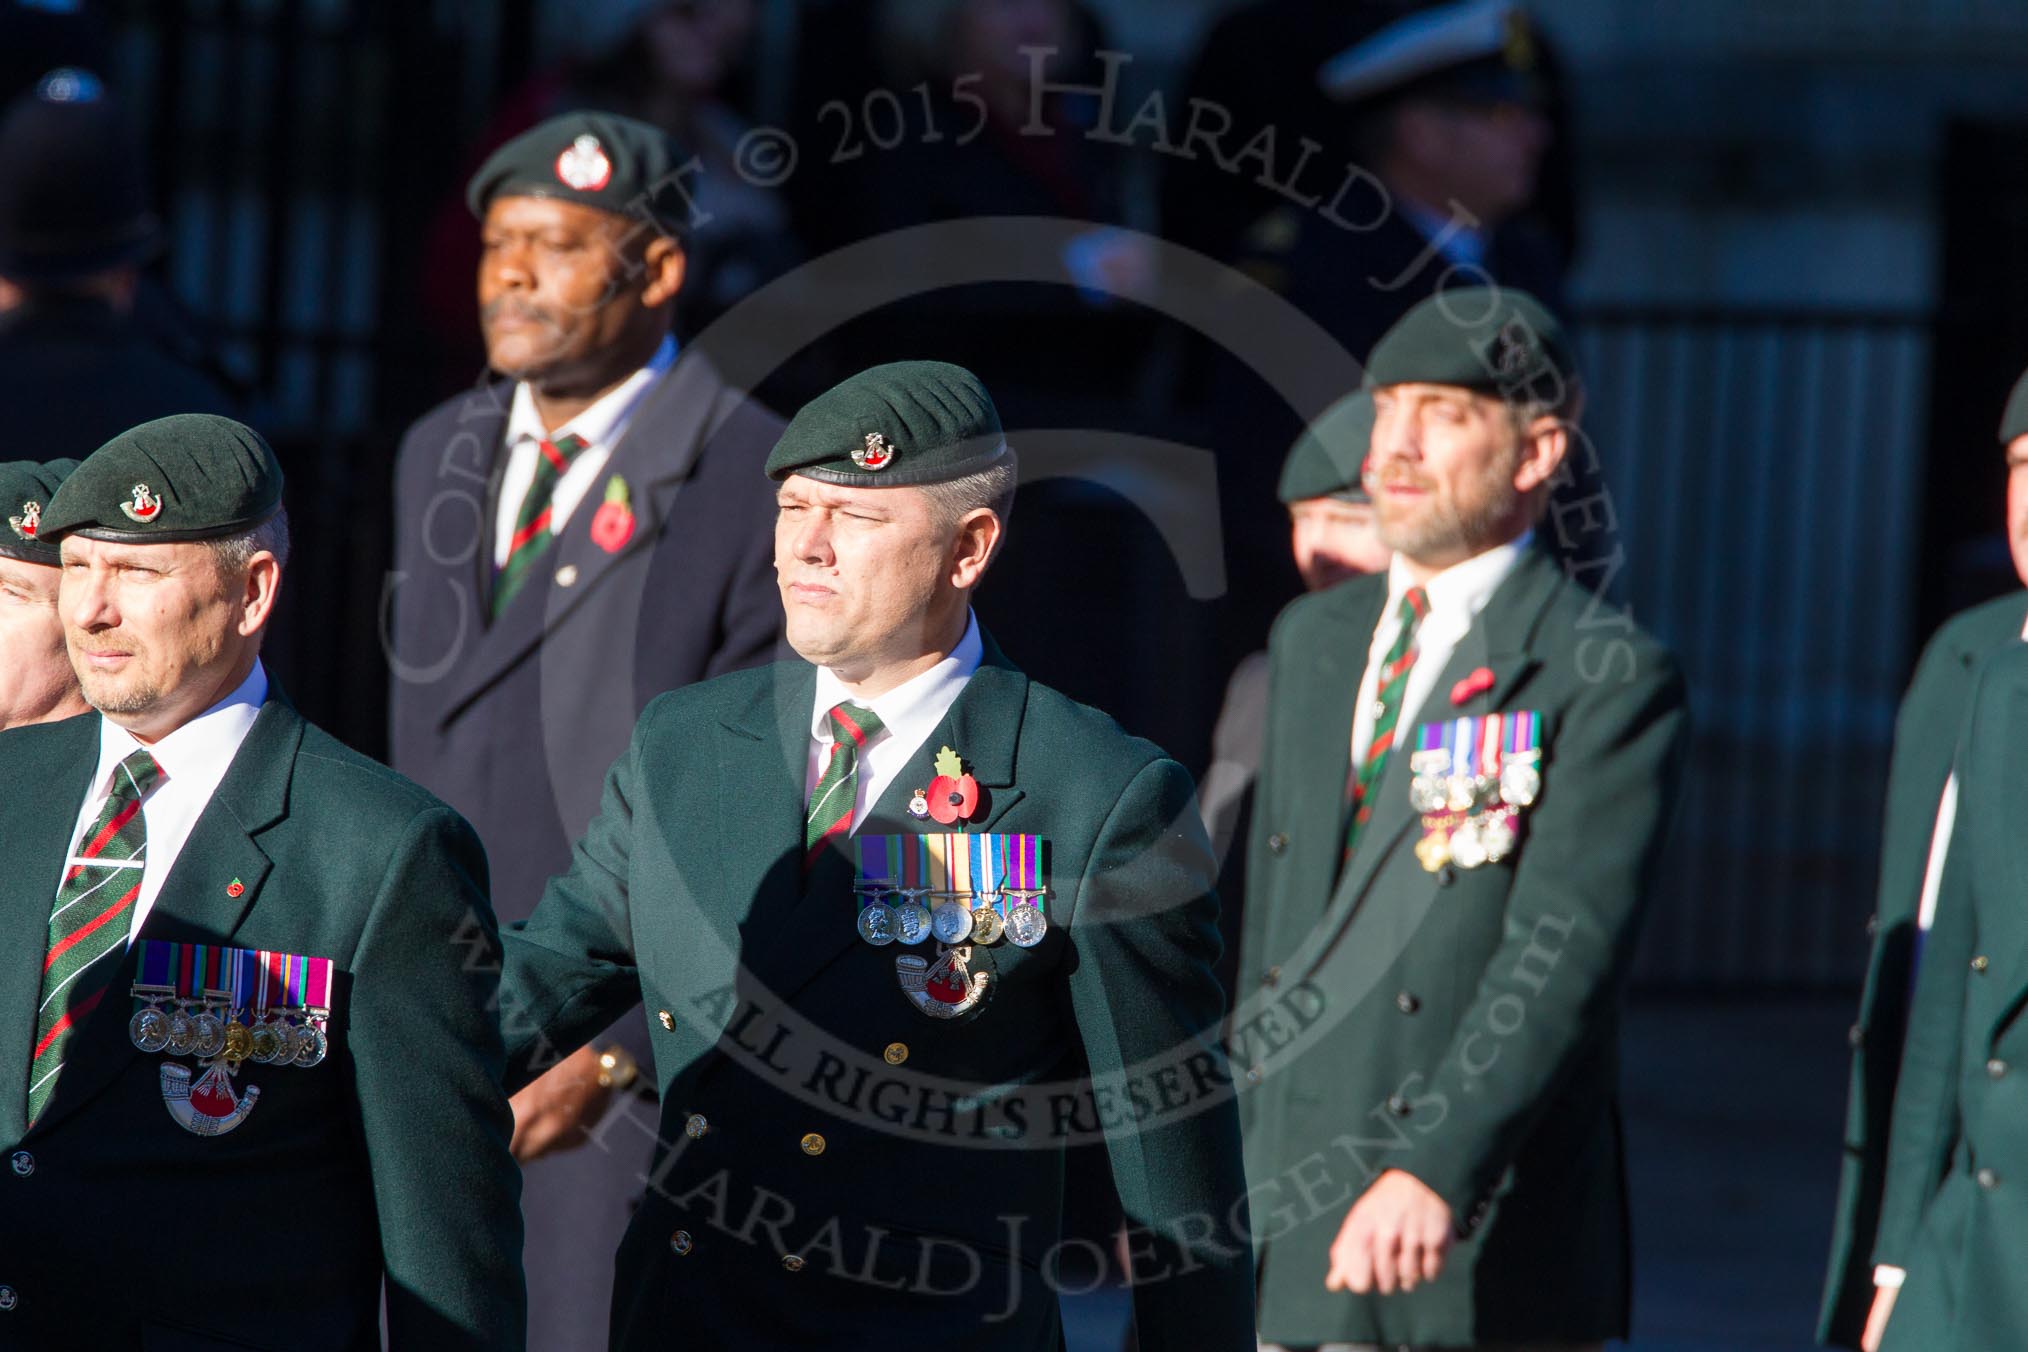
(2014, 422)
(1497, 340)
(601, 160)
(905, 423)
(190, 476)
(26, 487)
(1330, 456)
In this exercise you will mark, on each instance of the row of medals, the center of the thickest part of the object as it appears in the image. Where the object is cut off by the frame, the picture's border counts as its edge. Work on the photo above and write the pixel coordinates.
(208, 1031)
(1489, 834)
(908, 921)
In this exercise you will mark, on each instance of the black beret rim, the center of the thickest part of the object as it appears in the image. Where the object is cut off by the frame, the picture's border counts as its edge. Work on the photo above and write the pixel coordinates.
(25, 553)
(629, 210)
(894, 478)
(114, 536)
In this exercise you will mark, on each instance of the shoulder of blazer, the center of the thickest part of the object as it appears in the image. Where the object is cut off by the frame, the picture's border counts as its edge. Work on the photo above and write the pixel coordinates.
(45, 745)
(1107, 754)
(374, 796)
(1328, 611)
(1971, 635)
(429, 436)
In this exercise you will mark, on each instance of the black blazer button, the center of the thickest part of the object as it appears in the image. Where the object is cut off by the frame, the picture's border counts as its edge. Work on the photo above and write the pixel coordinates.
(1278, 843)
(1398, 1105)
(1407, 1003)
(1446, 875)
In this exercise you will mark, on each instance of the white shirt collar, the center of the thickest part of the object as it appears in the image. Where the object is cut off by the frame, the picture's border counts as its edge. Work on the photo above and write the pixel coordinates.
(1462, 590)
(602, 423)
(201, 750)
(911, 711)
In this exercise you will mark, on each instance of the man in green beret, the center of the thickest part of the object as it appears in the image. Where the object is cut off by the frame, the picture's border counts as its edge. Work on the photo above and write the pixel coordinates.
(1333, 537)
(1953, 1232)
(249, 1066)
(1468, 769)
(1922, 804)
(906, 924)
(571, 540)
(36, 682)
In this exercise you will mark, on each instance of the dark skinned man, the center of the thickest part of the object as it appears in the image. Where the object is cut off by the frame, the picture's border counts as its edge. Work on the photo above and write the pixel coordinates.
(572, 540)
(37, 684)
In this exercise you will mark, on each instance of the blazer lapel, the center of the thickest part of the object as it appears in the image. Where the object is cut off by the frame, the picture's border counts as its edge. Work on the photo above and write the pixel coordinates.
(2011, 776)
(983, 725)
(654, 456)
(39, 840)
(195, 904)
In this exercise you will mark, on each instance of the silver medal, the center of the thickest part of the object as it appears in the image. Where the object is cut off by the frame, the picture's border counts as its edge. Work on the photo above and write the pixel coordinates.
(1026, 925)
(1458, 793)
(183, 1032)
(951, 922)
(911, 922)
(1426, 793)
(311, 1045)
(876, 923)
(267, 1043)
(149, 1029)
(1498, 836)
(1520, 782)
(1468, 845)
(208, 1035)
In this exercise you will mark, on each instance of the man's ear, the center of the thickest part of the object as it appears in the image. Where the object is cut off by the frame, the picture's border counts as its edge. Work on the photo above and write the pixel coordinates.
(262, 585)
(977, 540)
(1545, 444)
(663, 265)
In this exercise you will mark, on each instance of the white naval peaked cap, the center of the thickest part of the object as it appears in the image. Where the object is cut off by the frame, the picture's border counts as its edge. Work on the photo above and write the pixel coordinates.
(1418, 44)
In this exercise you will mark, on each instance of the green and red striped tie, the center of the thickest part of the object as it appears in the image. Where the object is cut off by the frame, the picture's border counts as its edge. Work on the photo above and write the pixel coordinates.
(532, 533)
(831, 802)
(88, 927)
(1393, 683)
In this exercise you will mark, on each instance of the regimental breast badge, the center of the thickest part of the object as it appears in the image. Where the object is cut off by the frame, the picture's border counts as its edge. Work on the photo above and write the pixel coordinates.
(584, 165)
(1473, 780)
(874, 454)
(958, 893)
(28, 522)
(226, 1007)
(144, 506)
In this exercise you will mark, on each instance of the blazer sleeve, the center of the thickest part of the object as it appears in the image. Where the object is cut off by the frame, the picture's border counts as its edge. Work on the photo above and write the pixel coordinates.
(1580, 888)
(1144, 937)
(434, 1120)
(570, 968)
(1924, 1127)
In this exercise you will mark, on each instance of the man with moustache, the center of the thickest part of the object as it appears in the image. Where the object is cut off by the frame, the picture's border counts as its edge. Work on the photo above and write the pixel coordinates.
(572, 541)
(1469, 765)
(37, 684)
(1922, 805)
(769, 846)
(249, 1066)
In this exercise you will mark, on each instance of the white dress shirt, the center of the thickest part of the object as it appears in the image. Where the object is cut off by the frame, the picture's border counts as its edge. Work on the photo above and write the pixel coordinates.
(602, 425)
(194, 758)
(909, 713)
(1456, 596)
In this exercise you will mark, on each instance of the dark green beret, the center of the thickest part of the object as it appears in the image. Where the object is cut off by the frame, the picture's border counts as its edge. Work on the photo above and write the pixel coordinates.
(909, 422)
(25, 490)
(1329, 456)
(2014, 422)
(595, 159)
(1498, 340)
(192, 476)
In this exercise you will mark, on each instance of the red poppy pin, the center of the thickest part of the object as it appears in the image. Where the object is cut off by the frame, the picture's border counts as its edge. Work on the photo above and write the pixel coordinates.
(953, 796)
(235, 889)
(613, 524)
(1478, 683)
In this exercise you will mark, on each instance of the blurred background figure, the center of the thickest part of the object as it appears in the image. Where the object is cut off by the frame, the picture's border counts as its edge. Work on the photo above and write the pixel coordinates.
(1922, 800)
(37, 684)
(79, 361)
(1333, 536)
(679, 65)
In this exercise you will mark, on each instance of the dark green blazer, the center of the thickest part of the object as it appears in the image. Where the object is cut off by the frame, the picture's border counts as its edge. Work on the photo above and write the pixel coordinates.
(933, 1208)
(387, 1163)
(1461, 1025)
(1955, 1211)
(1925, 733)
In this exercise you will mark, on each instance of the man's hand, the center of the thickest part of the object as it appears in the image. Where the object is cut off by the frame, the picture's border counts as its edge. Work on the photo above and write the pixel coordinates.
(1394, 1238)
(1876, 1318)
(556, 1111)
